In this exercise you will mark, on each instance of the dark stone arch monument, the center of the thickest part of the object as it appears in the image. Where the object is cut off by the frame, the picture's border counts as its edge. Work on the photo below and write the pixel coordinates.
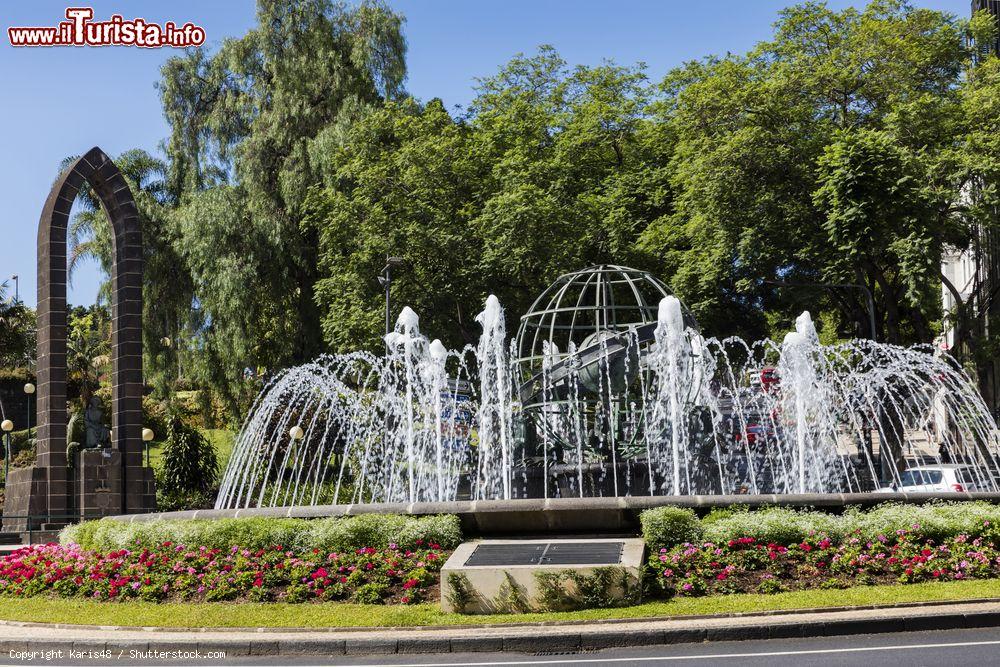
(103, 481)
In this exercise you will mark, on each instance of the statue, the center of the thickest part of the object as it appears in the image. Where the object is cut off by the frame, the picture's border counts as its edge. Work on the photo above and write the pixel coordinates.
(98, 435)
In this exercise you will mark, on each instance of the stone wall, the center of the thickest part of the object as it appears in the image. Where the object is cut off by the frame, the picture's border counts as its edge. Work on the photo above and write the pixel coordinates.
(24, 496)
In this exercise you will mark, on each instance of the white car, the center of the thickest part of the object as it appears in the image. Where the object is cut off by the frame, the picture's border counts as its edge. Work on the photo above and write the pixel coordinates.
(943, 478)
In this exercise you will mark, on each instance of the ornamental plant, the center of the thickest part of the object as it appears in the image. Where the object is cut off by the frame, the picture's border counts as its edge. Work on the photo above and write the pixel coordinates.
(750, 565)
(330, 534)
(175, 572)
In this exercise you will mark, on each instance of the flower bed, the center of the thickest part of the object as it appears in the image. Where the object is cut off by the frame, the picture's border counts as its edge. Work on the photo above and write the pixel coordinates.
(749, 565)
(174, 572)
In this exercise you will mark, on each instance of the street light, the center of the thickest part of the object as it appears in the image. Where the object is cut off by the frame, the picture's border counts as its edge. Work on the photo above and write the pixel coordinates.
(296, 432)
(17, 288)
(385, 280)
(868, 295)
(29, 389)
(147, 437)
(7, 426)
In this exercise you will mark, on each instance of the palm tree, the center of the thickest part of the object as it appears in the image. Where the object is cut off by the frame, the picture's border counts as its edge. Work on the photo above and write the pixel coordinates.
(89, 232)
(87, 354)
(167, 287)
(17, 331)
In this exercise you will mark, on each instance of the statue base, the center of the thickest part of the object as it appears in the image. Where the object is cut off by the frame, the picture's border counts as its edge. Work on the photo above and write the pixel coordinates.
(93, 488)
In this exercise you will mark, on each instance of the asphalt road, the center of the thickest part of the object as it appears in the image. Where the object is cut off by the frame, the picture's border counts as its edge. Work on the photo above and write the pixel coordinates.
(938, 648)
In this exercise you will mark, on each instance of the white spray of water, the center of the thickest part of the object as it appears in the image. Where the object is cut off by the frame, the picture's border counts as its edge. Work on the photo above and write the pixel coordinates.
(424, 423)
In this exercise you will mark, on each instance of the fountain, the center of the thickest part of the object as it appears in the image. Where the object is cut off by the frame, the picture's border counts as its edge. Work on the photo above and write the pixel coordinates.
(607, 389)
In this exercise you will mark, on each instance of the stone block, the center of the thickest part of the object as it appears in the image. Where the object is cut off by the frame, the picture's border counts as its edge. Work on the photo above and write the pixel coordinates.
(488, 581)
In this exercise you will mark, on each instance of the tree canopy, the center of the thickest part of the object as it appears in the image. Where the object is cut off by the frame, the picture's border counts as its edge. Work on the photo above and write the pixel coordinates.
(853, 148)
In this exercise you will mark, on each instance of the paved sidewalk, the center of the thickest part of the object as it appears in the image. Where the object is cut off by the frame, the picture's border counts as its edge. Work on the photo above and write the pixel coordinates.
(537, 638)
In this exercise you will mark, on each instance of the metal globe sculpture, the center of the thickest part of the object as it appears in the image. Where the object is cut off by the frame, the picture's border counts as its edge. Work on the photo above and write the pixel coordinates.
(581, 356)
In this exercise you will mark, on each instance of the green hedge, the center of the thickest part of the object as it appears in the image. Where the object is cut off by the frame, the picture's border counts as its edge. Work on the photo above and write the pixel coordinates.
(670, 526)
(333, 534)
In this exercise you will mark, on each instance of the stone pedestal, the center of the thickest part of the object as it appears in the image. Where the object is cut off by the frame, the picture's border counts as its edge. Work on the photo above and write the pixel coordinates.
(94, 490)
(97, 480)
(25, 496)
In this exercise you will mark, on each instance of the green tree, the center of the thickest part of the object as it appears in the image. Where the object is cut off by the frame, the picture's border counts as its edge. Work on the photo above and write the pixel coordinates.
(88, 347)
(17, 332)
(251, 129)
(778, 171)
(551, 169)
(167, 285)
(189, 468)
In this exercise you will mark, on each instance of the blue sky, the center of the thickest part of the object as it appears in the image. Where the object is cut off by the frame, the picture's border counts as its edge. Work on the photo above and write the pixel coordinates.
(61, 101)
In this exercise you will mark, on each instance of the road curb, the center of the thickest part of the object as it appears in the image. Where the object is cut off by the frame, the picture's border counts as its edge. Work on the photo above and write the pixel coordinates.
(532, 639)
(738, 615)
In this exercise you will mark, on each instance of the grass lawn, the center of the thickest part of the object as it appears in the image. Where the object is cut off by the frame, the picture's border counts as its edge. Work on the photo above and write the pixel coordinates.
(332, 614)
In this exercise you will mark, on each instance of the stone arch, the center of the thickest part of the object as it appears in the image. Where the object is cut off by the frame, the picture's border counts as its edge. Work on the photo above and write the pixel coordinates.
(128, 478)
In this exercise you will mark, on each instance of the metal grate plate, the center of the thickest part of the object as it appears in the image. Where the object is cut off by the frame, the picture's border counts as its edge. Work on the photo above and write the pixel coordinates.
(553, 553)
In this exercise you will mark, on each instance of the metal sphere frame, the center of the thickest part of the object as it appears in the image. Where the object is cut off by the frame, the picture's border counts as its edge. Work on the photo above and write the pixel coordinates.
(584, 341)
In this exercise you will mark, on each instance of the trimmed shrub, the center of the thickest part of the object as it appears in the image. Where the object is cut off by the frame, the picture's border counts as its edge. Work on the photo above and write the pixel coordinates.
(772, 524)
(334, 534)
(934, 521)
(668, 526)
(381, 530)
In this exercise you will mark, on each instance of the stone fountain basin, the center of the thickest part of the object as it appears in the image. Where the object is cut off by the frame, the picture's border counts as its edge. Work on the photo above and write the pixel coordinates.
(554, 516)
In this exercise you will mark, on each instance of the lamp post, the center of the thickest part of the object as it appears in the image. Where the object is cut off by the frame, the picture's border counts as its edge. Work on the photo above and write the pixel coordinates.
(17, 288)
(7, 426)
(29, 389)
(147, 437)
(385, 280)
(868, 295)
(296, 432)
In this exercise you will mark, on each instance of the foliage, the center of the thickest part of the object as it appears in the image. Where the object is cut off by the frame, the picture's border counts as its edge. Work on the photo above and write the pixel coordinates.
(511, 597)
(250, 125)
(189, 465)
(552, 168)
(88, 348)
(774, 524)
(572, 589)
(17, 332)
(461, 592)
(829, 154)
(905, 555)
(381, 530)
(333, 534)
(783, 525)
(669, 525)
(172, 571)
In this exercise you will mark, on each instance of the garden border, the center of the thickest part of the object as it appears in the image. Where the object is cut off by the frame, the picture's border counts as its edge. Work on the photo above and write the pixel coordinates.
(567, 515)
